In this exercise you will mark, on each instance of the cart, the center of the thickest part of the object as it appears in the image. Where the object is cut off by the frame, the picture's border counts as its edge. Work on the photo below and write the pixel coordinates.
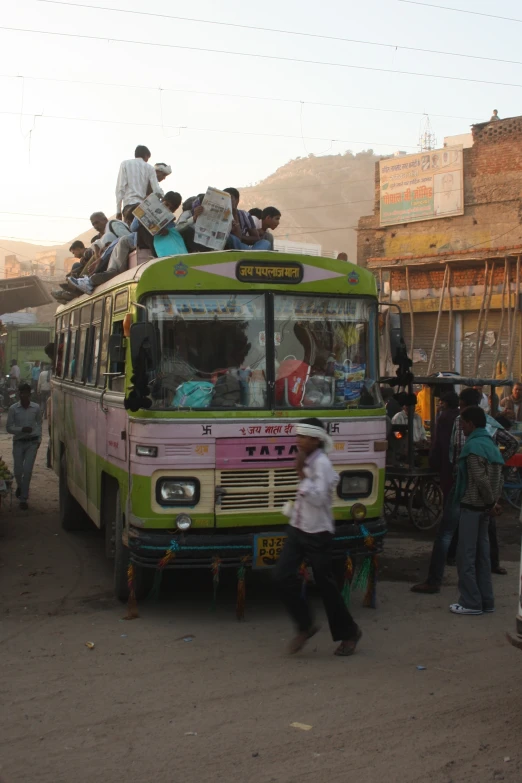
(412, 490)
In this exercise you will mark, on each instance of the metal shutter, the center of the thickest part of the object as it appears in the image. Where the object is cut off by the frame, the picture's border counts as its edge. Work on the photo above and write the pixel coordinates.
(424, 326)
(487, 356)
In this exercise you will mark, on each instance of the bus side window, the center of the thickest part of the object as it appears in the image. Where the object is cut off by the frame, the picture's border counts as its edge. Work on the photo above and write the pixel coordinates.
(59, 354)
(81, 365)
(79, 375)
(93, 344)
(104, 344)
(93, 347)
(117, 384)
(72, 355)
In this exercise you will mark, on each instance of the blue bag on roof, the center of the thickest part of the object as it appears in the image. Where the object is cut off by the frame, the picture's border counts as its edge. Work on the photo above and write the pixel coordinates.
(193, 394)
(170, 245)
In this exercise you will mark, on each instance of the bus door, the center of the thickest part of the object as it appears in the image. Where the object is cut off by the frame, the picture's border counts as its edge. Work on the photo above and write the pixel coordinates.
(112, 436)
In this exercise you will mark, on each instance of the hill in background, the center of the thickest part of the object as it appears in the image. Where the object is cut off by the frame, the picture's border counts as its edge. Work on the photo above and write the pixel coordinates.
(321, 198)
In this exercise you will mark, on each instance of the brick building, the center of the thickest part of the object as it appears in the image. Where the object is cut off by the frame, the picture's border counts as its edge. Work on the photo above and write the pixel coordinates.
(457, 279)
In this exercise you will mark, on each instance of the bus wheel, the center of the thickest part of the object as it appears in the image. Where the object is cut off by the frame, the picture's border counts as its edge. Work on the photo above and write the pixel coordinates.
(114, 525)
(114, 541)
(72, 515)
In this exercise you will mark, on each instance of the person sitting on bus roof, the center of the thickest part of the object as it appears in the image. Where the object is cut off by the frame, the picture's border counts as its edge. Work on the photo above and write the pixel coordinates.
(77, 250)
(244, 233)
(134, 178)
(270, 218)
(186, 218)
(162, 172)
(119, 258)
(257, 216)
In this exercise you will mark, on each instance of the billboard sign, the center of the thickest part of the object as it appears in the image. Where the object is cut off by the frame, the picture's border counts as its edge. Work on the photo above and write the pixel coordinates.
(423, 186)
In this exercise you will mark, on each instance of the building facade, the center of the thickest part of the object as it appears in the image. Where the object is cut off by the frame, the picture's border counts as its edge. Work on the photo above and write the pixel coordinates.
(457, 279)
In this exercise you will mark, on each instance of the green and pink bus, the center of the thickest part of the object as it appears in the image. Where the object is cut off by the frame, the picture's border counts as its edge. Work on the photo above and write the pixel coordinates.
(176, 392)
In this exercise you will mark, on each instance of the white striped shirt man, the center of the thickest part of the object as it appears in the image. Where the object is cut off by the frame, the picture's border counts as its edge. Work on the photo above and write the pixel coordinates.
(134, 177)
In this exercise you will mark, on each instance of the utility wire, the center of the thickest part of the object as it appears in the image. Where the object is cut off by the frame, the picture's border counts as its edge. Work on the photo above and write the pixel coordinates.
(297, 33)
(201, 130)
(287, 209)
(201, 49)
(235, 95)
(461, 11)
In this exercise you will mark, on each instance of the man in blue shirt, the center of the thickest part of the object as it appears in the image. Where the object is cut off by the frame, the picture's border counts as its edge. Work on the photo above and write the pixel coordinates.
(35, 374)
(24, 423)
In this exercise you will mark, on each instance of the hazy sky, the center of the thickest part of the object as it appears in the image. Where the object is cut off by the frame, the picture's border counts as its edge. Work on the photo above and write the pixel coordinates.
(67, 168)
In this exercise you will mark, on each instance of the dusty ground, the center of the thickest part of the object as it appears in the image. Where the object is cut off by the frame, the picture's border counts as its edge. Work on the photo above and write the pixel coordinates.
(145, 705)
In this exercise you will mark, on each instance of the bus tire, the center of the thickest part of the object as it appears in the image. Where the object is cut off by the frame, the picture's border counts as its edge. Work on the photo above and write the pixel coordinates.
(114, 524)
(143, 577)
(72, 515)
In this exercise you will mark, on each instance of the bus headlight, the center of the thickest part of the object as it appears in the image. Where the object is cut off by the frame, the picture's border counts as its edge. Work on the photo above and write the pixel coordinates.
(183, 521)
(177, 491)
(355, 484)
(358, 512)
(146, 451)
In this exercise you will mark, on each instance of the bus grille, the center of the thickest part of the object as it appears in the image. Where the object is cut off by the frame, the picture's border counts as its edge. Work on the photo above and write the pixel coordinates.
(263, 490)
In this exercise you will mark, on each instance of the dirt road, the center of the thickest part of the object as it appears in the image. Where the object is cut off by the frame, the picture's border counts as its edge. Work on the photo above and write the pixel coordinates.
(146, 705)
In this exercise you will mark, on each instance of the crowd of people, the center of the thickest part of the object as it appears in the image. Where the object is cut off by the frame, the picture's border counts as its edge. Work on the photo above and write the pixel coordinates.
(109, 250)
(469, 450)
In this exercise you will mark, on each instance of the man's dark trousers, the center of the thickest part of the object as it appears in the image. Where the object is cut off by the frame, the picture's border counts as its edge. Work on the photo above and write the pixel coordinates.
(316, 549)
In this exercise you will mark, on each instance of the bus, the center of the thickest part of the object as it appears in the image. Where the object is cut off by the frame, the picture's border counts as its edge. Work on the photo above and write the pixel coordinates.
(177, 388)
(25, 344)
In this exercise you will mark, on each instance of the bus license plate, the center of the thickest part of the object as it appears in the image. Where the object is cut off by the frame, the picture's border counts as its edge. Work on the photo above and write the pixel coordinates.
(267, 550)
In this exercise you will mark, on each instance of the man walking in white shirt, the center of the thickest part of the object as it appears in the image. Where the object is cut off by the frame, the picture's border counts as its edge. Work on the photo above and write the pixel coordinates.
(310, 538)
(24, 422)
(14, 375)
(136, 178)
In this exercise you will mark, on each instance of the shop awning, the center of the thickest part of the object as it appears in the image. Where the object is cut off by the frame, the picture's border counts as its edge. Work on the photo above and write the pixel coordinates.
(17, 293)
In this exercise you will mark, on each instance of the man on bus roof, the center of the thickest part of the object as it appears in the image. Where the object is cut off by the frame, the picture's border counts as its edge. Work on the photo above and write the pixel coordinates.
(134, 179)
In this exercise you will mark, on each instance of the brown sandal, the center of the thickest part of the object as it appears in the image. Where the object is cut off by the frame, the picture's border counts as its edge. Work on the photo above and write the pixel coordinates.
(348, 646)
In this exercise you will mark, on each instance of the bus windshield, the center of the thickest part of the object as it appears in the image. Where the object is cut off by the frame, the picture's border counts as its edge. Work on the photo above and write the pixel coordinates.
(214, 351)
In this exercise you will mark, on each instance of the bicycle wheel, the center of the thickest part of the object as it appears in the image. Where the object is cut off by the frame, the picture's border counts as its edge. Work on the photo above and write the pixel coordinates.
(425, 504)
(513, 494)
(391, 499)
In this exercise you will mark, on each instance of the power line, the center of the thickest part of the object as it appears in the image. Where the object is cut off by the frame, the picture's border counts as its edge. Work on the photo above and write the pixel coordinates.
(37, 214)
(11, 252)
(235, 95)
(297, 33)
(336, 204)
(287, 209)
(35, 239)
(458, 10)
(200, 130)
(157, 45)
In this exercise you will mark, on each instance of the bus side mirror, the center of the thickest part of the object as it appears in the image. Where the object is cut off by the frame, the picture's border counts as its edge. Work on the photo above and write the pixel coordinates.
(397, 345)
(144, 348)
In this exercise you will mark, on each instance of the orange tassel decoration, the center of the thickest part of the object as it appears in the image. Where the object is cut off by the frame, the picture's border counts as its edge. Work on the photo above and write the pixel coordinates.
(132, 604)
(303, 573)
(215, 567)
(370, 597)
(369, 540)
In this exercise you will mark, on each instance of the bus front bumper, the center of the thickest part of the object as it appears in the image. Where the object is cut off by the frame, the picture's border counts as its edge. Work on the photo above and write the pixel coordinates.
(196, 549)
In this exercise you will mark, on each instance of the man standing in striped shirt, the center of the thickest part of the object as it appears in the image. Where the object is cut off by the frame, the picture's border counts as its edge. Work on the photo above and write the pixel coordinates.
(136, 178)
